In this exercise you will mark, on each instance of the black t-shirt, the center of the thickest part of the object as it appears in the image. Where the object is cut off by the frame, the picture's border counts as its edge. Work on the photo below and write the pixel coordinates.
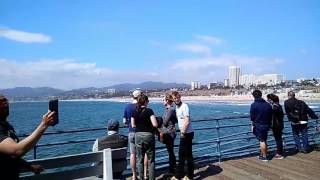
(142, 120)
(9, 166)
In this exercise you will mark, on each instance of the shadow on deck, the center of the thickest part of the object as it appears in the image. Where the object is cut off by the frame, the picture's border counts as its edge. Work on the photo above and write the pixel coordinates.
(293, 166)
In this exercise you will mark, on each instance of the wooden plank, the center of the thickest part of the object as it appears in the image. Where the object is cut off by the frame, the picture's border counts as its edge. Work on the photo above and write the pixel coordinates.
(254, 170)
(230, 168)
(310, 168)
(281, 172)
(69, 174)
(76, 159)
(69, 160)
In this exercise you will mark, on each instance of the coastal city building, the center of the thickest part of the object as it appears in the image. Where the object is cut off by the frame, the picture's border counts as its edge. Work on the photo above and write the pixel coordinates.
(234, 76)
(226, 83)
(214, 85)
(111, 91)
(247, 80)
(267, 79)
(301, 80)
(195, 85)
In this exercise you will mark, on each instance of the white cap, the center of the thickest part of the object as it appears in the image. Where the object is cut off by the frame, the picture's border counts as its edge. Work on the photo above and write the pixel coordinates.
(136, 93)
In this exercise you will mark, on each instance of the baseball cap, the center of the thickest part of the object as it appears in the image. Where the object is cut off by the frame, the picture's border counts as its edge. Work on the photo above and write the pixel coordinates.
(136, 93)
(112, 123)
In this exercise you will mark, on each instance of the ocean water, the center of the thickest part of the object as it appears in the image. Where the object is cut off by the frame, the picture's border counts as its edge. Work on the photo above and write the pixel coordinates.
(25, 116)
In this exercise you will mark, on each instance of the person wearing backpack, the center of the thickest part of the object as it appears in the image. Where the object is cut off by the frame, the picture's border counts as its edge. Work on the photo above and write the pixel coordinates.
(297, 112)
(277, 123)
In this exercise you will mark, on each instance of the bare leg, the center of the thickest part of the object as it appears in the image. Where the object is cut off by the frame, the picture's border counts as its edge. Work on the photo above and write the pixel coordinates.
(133, 165)
(145, 165)
(263, 148)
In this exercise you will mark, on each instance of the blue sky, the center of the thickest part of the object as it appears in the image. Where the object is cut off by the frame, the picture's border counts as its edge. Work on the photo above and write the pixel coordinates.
(72, 44)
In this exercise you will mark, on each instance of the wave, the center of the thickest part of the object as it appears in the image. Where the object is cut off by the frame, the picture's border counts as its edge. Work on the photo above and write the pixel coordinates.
(314, 107)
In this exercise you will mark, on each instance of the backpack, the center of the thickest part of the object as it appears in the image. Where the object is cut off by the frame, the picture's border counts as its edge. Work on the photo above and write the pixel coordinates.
(296, 114)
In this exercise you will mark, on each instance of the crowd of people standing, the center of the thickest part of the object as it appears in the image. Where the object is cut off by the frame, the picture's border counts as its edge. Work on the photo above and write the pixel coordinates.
(143, 125)
(269, 114)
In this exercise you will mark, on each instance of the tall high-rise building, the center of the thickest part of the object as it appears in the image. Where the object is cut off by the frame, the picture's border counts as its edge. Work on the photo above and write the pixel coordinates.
(234, 76)
(195, 85)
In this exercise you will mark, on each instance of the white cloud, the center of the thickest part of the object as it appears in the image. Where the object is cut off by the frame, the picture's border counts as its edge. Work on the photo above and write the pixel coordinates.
(25, 37)
(194, 48)
(215, 68)
(69, 74)
(65, 74)
(209, 39)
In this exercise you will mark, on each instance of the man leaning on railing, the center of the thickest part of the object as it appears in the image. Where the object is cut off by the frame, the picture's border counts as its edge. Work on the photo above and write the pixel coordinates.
(261, 116)
(298, 112)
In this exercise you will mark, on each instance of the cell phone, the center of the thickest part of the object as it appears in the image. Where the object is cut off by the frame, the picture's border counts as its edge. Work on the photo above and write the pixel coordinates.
(54, 106)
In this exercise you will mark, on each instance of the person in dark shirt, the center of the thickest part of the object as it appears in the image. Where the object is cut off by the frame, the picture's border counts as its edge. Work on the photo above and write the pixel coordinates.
(277, 123)
(113, 140)
(145, 122)
(261, 116)
(297, 112)
(168, 131)
(128, 111)
(11, 149)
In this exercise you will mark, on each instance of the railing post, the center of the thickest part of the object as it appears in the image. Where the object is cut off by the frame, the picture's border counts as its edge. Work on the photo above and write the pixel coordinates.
(35, 152)
(218, 139)
(107, 164)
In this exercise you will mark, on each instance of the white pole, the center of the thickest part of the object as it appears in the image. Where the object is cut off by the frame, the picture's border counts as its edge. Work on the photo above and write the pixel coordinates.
(107, 164)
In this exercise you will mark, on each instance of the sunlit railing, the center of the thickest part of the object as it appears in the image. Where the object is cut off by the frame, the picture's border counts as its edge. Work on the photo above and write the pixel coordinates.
(223, 145)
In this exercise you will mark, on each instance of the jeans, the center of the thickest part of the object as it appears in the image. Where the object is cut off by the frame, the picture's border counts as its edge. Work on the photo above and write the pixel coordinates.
(185, 154)
(277, 133)
(169, 141)
(145, 144)
(296, 129)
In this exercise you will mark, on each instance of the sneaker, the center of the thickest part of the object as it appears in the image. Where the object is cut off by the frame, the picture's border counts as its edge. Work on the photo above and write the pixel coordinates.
(186, 178)
(263, 158)
(173, 178)
(278, 156)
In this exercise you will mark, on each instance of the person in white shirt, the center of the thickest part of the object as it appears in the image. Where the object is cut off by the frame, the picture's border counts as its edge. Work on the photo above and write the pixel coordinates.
(186, 136)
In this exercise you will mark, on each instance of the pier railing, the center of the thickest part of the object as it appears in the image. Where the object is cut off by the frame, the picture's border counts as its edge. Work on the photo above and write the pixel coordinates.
(215, 139)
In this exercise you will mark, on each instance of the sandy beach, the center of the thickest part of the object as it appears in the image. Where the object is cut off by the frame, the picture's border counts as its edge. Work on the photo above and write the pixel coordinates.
(211, 99)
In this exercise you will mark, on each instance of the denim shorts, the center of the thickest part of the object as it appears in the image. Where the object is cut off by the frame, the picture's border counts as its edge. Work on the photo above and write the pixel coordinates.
(261, 132)
(132, 145)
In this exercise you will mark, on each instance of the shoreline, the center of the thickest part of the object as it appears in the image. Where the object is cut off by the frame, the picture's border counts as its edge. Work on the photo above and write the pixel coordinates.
(242, 99)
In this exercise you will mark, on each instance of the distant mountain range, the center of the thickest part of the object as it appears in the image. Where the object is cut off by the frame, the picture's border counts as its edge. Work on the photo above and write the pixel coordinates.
(28, 92)
(147, 86)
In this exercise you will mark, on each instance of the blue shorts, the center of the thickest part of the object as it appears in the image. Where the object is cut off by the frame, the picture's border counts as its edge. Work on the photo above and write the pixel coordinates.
(261, 132)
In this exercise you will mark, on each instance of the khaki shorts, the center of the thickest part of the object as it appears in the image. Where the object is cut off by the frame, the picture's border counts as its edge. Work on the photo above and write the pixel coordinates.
(131, 141)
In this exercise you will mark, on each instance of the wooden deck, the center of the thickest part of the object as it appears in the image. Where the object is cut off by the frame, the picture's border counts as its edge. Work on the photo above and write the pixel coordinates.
(296, 166)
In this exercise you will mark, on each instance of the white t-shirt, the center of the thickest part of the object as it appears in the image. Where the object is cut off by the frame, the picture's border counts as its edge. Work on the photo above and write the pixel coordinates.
(182, 112)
